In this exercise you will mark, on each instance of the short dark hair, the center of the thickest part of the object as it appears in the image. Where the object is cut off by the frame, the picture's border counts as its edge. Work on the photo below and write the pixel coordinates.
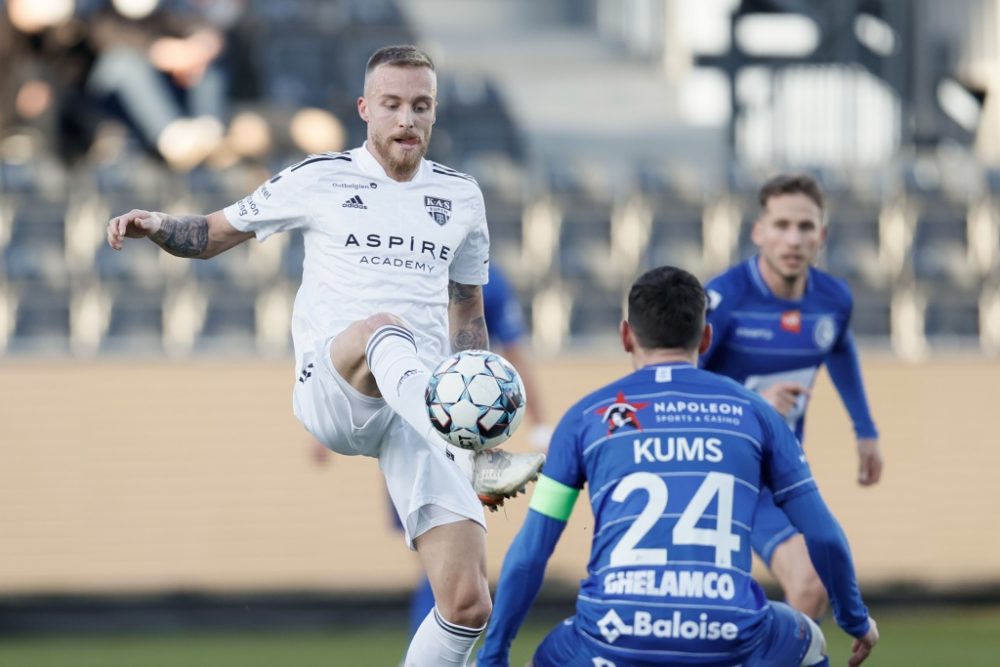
(399, 55)
(790, 184)
(666, 309)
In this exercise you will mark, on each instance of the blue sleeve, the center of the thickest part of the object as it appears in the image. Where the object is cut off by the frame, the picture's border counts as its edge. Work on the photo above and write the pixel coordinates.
(845, 371)
(720, 305)
(502, 310)
(831, 556)
(520, 580)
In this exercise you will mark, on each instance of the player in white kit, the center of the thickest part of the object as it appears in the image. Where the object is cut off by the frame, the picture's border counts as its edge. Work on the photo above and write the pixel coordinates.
(396, 252)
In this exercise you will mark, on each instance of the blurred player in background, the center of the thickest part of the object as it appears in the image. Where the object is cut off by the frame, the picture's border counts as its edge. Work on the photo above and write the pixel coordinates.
(776, 319)
(674, 459)
(396, 251)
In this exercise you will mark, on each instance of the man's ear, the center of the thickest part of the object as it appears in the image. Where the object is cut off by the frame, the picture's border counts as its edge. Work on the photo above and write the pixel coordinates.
(706, 339)
(628, 343)
(363, 108)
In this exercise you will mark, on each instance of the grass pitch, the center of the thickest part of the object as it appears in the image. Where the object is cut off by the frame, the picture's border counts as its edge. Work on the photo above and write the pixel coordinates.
(922, 637)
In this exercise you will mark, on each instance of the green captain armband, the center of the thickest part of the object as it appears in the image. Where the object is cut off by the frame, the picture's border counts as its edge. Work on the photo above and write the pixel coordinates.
(553, 499)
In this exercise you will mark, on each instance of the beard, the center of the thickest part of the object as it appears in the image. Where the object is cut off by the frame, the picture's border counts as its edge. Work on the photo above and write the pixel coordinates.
(401, 163)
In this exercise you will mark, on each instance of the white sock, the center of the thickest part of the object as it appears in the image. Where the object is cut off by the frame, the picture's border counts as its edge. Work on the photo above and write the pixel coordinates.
(401, 376)
(438, 643)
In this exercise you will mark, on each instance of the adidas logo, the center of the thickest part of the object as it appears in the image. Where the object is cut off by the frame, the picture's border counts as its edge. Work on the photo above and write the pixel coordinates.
(354, 202)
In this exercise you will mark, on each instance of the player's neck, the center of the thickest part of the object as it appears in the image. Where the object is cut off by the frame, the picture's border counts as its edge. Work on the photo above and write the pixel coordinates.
(782, 287)
(642, 358)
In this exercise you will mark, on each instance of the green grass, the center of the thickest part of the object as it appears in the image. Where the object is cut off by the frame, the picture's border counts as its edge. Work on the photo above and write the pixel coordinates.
(925, 637)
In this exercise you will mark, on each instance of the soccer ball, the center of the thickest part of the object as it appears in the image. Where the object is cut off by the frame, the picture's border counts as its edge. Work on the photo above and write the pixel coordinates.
(475, 399)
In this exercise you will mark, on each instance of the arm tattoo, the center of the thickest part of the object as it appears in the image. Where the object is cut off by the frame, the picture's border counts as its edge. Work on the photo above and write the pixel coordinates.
(186, 236)
(466, 301)
(472, 336)
(459, 293)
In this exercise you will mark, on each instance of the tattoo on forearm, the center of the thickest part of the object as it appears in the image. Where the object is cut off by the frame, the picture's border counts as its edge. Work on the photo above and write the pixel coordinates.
(459, 293)
(186, 236)
(472, 336)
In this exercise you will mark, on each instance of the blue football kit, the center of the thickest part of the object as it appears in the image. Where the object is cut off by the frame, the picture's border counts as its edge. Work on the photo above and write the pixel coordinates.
(674, 459)
(502, 310)
(759, 339)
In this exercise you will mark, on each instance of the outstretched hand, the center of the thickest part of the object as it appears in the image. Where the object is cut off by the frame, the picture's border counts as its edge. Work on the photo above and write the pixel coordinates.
(134, 225)
(862, 646)
(870, 461)
(784, 396)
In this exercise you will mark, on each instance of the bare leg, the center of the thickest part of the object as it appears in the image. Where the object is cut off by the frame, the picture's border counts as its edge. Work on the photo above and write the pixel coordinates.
(792, 568)
(454, 557)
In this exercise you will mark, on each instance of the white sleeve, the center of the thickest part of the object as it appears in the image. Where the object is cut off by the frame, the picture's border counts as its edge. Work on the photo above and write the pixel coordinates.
(278, 205)
(472, 261)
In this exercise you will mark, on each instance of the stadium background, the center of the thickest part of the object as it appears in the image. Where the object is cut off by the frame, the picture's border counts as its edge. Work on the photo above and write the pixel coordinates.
(151, 474)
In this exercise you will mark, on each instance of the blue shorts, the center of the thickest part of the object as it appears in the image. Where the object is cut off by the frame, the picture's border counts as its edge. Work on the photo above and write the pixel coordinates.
(785, 638)
(771, 526)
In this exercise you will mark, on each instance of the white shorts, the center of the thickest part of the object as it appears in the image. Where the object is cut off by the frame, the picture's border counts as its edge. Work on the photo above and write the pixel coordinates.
(425, 484)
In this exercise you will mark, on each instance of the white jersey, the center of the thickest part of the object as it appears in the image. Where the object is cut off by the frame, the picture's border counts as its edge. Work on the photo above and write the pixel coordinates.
(373, 244)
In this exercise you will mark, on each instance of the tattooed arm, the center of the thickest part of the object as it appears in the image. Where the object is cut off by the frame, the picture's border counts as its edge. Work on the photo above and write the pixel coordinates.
(200, 236)
(465, 315)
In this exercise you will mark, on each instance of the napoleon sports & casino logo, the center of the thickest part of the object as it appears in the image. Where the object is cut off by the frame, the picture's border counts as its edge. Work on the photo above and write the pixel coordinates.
(622, 413)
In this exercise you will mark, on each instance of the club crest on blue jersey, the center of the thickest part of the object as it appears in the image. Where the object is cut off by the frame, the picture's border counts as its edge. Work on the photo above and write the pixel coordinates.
(621, 413)
(439, 209)
(825, 332)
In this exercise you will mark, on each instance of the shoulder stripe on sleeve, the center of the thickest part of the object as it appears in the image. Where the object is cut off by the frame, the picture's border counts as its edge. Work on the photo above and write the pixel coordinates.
(465, 177)
(321, 159)
(553, 499)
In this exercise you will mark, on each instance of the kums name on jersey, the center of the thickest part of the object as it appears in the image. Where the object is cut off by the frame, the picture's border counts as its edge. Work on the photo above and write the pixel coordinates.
(376, 241)
(677, 449)
(678, 584)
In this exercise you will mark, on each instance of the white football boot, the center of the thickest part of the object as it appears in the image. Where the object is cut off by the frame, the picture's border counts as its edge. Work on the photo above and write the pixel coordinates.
(498, 474)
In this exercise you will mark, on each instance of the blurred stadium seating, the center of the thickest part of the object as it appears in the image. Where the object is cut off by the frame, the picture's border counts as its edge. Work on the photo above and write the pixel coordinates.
(572, 233)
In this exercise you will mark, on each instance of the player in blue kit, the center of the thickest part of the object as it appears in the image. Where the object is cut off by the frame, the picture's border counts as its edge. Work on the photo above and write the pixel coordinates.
(776, 319)
(674, 459)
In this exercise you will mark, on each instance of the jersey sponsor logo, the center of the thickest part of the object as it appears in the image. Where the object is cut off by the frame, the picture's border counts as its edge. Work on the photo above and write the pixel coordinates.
(621, 413)
(354, 202)
(791, 321)
(699, 407)
(825, 332)
(612, 626)
(697, 412)
(649, 450)
(356, 186)
(754, 333)
(439, 209)
(671, 583)
(410, 243)
(246, 206)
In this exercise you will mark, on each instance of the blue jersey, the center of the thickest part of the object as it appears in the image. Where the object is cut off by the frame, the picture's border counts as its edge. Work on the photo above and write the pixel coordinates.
(760, 339)
(674, 459)
(502, 310)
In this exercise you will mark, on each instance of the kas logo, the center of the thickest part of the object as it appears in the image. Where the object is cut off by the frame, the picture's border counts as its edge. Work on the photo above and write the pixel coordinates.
(439, 209)
(621, 413)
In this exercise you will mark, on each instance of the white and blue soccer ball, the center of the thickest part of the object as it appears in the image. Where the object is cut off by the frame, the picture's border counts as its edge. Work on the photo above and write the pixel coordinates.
(475, 399)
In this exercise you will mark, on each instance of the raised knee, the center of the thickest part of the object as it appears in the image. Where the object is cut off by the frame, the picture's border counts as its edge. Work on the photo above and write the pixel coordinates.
(808, 596)
(469, 609)
(376, 321)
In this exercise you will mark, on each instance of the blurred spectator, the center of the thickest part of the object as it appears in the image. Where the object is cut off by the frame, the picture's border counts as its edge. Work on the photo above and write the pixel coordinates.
(46, 58)
(160, 68)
